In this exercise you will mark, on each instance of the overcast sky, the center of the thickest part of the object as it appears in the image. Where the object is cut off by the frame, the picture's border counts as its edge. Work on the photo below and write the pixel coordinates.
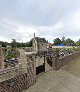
(20, 19)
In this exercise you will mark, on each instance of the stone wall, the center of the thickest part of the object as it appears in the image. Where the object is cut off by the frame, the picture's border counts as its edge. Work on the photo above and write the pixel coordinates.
(58, 62)
(22, 81)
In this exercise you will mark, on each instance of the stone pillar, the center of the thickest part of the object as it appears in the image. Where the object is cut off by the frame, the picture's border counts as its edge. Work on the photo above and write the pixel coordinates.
(34, 69)
(22, 58)
(55, 59)
(31, 67)
(1, 59)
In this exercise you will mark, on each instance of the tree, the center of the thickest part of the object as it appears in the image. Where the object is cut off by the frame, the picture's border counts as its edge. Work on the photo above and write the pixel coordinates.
(13, 43)
(78, 43)
(4, 44)
(57, 41)
(19, 44)
(69, 41)
(29, 44)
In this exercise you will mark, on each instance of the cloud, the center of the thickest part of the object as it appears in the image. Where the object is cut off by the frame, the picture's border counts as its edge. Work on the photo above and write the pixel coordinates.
(20, 19)
(4, 39)
(24, 33)
(20, 32)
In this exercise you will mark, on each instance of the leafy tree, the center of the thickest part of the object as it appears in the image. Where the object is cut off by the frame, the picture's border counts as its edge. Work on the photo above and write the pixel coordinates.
(57, 41)
(18, 44)
(23, 44)
(29, 44)
(69, 41)
(13, 43)
(4, 44)
(78, 43)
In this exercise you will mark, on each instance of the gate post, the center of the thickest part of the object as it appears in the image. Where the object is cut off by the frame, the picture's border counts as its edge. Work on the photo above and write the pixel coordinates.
(32, 67)
(55, 59)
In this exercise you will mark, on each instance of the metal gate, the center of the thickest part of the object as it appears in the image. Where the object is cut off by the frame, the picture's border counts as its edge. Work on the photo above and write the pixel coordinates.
(40, 69)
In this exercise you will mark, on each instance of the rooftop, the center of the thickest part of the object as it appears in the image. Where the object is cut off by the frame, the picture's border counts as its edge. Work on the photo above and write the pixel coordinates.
(40, 39)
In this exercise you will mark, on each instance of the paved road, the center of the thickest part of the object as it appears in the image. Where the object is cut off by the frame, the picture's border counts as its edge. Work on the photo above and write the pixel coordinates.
(56, 81)
(66, 79)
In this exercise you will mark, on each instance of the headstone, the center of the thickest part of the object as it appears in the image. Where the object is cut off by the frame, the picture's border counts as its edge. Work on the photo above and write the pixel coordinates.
(8, 49)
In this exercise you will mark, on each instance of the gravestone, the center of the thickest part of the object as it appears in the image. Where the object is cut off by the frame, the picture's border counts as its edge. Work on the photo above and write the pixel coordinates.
(8, 49)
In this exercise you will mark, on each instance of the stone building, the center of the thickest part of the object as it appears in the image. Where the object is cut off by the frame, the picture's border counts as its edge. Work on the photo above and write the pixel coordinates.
(39, 44)
(40, 47)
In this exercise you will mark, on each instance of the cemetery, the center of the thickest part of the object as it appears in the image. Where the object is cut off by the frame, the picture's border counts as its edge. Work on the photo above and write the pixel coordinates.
(19, 68)
(10, 56)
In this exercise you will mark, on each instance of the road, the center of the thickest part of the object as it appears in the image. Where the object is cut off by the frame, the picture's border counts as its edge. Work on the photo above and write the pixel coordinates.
(66, 79)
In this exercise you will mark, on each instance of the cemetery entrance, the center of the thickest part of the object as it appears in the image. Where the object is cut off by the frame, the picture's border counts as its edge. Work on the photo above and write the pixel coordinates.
(40, 69)
(40, 64)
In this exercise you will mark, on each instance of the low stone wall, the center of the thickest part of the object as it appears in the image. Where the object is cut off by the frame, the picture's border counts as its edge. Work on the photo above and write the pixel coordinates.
(59, 62)
(16, 84)
(22, 81)
(8, 73)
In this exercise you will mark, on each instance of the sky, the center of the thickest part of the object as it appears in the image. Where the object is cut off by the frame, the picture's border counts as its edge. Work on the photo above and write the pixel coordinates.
(50, 19)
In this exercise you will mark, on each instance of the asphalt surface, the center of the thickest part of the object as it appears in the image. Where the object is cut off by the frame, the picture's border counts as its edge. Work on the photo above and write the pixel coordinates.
(66, 79)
